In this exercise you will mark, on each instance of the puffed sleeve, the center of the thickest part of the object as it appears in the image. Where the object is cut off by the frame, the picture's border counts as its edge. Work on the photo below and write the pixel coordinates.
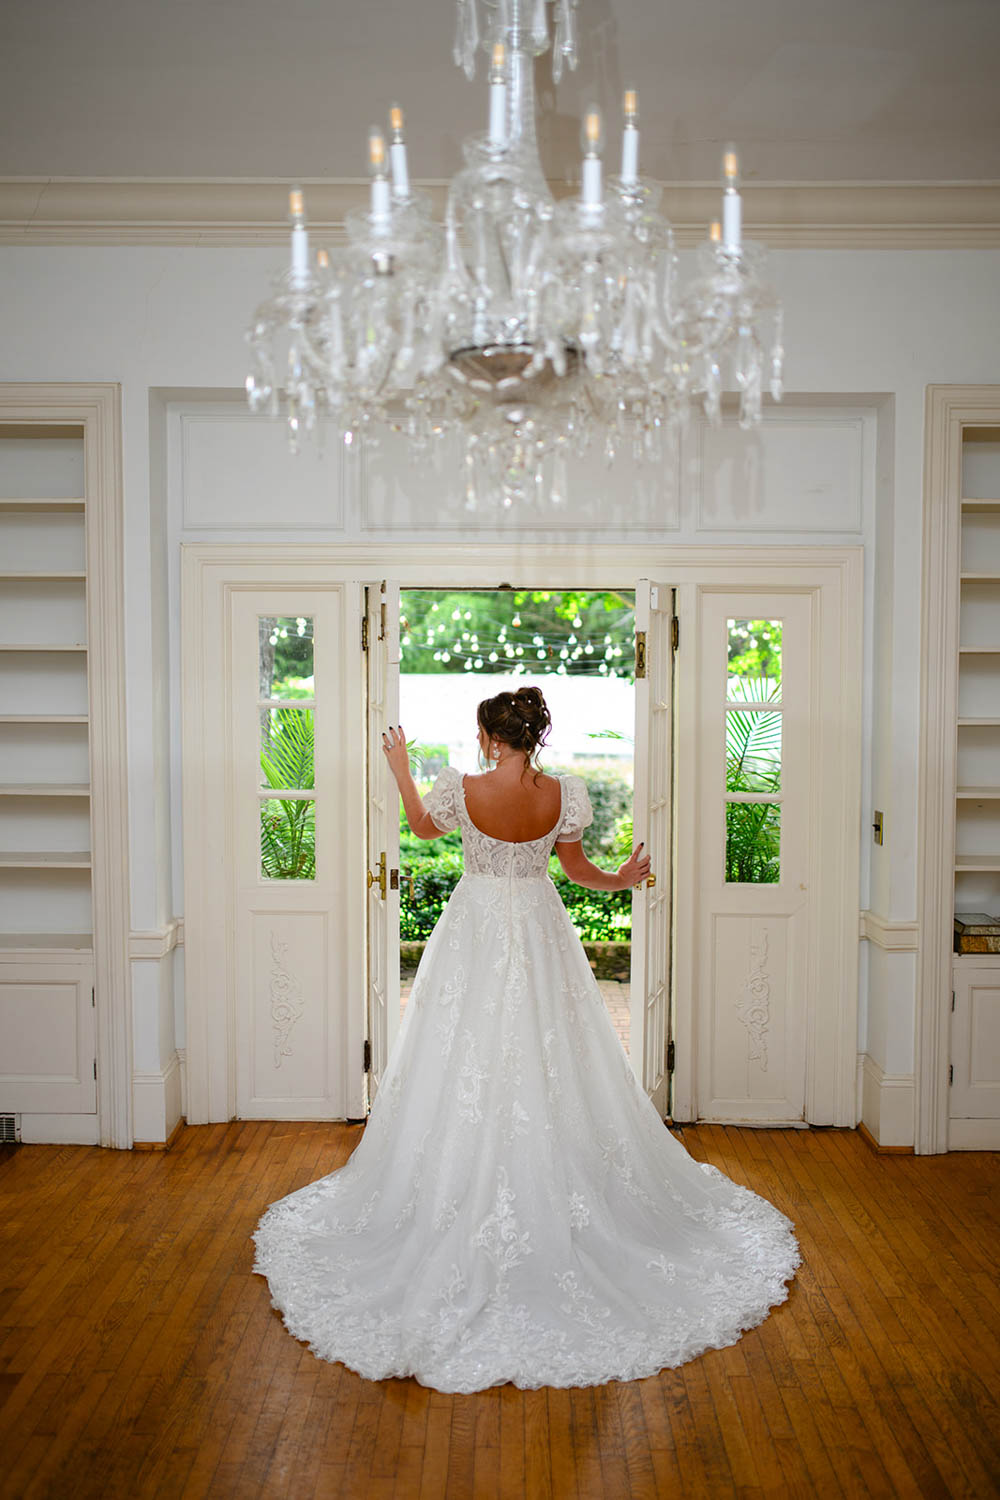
(441, 800)
(578, 813)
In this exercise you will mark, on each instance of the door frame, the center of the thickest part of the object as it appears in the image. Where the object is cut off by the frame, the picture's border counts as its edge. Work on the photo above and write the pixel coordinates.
(833, 573)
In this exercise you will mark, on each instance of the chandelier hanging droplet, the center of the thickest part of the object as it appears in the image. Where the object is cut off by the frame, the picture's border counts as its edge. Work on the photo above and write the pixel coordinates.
(527, 328)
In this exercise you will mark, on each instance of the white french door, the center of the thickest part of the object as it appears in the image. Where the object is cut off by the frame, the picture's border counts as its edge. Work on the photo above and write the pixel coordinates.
(756, 821)
(381, 645)
(286, 815)
(649, 990)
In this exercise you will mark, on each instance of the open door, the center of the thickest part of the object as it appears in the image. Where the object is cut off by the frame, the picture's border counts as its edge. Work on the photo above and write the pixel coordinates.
(649, 1041)
(381, 642)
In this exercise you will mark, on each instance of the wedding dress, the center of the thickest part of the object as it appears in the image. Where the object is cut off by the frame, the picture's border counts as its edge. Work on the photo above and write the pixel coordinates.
(516, 1210)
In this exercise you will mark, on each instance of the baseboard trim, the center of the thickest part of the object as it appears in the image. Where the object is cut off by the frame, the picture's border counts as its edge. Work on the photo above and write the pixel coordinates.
(887, 1107)
(870, 1140)
(161, 1145)
(157, 1105)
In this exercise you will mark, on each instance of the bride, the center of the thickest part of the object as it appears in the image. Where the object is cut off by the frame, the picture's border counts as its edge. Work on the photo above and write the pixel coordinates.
(516, 1209)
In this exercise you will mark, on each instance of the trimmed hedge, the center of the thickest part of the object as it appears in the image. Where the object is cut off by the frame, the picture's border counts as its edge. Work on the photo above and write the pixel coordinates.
(427, 880)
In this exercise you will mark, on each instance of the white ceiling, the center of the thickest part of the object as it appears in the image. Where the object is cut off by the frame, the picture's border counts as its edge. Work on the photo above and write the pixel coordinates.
(812, 90)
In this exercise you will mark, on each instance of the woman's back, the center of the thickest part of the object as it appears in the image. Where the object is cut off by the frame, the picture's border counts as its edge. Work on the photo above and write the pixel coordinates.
(515, 808)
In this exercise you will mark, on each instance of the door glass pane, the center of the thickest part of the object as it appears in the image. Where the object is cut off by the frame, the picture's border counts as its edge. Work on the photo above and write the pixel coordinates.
(287, 743)
(288, 839)
(754, 661)
(286, 656)
(752, 842)
(287, 746)
(753, 750)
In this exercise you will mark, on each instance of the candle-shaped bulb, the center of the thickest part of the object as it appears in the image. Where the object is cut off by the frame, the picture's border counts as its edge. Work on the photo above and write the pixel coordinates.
(630, 137)
(592, 139)
(715, 232)
(376, 152)
(397, 153)
(300, 239)
(380, 199)
(592, 132)
(732, 203)
(323, 259)
(730, 169)
(498, 95)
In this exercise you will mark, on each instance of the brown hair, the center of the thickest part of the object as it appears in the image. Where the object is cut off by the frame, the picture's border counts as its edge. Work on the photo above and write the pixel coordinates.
(519, 719)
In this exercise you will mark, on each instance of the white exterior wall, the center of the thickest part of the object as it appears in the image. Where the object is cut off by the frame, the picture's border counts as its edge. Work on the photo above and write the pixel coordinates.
(868, 329)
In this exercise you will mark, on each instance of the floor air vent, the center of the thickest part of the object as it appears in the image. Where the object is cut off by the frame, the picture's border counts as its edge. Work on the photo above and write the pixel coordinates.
(10, 1129)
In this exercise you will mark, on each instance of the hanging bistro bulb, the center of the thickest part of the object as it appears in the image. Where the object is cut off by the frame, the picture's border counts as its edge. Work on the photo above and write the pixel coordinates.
(526, 329)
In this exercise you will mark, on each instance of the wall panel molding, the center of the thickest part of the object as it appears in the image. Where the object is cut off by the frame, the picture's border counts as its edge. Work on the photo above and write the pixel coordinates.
(245, 211)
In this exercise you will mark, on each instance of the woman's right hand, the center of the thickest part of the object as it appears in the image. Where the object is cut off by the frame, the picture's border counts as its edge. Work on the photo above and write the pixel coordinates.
(635, 869)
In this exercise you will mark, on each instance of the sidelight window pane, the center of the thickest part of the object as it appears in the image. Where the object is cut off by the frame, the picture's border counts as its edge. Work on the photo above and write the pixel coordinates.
(288, 839)
(753, 836)
(286, 656)
(287, 748)
(754, 661)
(753, 750)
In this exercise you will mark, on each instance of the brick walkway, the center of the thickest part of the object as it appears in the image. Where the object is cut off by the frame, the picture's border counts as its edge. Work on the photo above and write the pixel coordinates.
(615, 998)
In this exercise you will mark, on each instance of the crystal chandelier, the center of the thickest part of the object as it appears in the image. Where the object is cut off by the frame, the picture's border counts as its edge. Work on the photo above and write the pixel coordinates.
(527, 327)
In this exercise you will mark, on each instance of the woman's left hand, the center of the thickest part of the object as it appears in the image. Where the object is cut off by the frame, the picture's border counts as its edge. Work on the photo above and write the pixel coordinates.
(396, 753)
(635, 870)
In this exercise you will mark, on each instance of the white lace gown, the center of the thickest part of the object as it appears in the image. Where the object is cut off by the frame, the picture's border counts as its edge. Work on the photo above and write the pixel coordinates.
(516, 1210)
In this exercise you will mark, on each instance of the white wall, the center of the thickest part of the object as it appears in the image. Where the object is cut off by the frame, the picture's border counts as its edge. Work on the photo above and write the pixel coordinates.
(865, 329)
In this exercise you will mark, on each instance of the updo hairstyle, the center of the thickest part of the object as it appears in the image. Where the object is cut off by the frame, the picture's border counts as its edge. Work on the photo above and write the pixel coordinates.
(519, 719)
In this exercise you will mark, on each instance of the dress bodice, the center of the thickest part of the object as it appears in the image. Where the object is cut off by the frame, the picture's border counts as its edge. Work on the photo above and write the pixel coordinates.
(508, 859)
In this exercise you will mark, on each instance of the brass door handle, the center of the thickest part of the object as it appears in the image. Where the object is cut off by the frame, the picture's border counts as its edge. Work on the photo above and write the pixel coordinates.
(378, 879)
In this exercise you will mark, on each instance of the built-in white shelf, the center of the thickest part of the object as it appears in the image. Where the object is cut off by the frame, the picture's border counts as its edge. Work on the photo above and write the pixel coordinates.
(43, 507)
(22, 646)
(980, 577)
(979, 650)
(984, 793)
(36, 577)
(44, 718)
(963, 722)
(46, 789)
(982, 507)
(78, 942)
(977, 861)
(45, 859)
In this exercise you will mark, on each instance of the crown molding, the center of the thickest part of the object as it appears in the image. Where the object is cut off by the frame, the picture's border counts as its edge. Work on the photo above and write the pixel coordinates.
(244, 211)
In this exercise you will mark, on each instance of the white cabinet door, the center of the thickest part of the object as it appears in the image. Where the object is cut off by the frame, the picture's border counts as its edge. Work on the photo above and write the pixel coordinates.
(755, 721)
(382, 646)
(47, 1027)
(288, 868)
(975, 1042)
(649, 1022)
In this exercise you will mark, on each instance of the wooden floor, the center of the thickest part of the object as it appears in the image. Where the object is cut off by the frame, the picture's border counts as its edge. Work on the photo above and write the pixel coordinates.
(140, 1357)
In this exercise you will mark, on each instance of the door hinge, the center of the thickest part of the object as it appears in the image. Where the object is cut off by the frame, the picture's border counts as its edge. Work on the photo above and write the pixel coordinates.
(95, 1069)
(640, 653)
(951, 1073)
(953, 999)
(675, 631)
(368, 1056)
(670, 1055)
(93, 997)
(364, 631)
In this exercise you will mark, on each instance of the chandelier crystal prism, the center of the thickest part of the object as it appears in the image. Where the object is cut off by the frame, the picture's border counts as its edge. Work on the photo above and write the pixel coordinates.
(524, 329)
